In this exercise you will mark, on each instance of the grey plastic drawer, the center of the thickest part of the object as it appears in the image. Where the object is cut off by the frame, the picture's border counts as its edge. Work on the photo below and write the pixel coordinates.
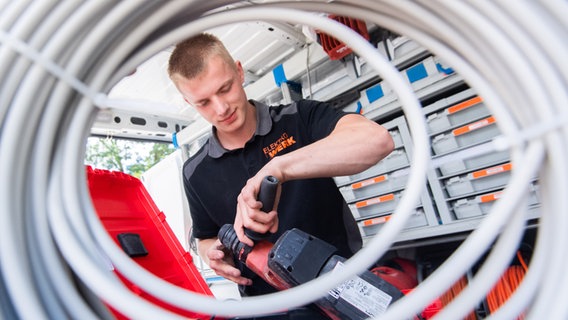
(480, 180)
(457, 114)
(472, 163)
(396, 159)
(480, 205)
(376, 185)
(376, 206)
(371, 226)
(464, 136)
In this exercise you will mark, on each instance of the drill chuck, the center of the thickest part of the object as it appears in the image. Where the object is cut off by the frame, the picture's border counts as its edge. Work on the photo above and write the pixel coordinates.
(229, 239)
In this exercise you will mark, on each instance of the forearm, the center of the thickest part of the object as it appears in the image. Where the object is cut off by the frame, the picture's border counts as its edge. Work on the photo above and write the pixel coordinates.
(355, 145)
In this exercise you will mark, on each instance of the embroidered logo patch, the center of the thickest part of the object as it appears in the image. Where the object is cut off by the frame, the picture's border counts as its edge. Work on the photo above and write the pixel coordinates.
(279, 145)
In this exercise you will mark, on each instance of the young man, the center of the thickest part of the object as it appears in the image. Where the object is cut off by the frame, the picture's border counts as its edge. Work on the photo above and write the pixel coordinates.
(303, 145)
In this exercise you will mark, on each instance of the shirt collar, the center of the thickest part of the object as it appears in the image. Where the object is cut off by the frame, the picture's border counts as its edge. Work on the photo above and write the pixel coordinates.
(263, 126)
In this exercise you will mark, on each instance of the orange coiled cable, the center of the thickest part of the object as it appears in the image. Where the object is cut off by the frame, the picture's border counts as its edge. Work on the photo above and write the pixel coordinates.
(506, 286)
(449, 295)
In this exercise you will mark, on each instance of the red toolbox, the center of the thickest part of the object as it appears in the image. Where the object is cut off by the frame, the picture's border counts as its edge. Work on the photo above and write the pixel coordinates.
(137, 225)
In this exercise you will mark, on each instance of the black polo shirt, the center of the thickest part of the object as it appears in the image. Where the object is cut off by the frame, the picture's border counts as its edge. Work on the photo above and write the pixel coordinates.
(214, 177)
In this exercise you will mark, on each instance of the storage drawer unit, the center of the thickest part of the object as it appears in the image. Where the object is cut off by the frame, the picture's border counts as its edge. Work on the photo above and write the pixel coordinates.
(429, 72)
(464, 179)
(376, 192)
(426, 72)
(395, 160)
(457, 115)
(370, 227)
(458, 122)
(465, 184)
(474, 163)
(375, 206)
(480, 205)
(484, 179)
(467, 135)
(376, 185)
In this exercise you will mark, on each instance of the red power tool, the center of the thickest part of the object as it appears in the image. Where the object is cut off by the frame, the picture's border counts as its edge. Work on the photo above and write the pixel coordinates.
(298, 257)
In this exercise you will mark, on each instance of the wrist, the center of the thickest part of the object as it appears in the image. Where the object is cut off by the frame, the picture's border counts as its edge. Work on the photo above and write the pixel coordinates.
(277, 167)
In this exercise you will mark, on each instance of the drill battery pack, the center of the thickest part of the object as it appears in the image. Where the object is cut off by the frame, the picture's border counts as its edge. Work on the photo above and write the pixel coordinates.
(298, 257)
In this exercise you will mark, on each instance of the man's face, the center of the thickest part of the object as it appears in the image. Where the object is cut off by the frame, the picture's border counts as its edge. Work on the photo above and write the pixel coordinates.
(217, 94)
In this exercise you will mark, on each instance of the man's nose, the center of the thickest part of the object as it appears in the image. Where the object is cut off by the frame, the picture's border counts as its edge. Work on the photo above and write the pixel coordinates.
(220, 105)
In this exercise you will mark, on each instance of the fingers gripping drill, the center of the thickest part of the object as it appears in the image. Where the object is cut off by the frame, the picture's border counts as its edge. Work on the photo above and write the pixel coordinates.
(298, 257)
(267, 196)
(256, 258)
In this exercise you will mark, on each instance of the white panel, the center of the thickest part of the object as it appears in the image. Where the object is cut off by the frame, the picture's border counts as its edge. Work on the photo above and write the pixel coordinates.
(164, 183)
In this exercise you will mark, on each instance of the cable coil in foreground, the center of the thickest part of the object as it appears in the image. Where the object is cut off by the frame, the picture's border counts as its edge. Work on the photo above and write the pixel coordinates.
(59, 59)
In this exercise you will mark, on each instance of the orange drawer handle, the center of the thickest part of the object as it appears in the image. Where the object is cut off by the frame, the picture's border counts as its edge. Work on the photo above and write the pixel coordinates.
(464, 105)
(491, 197)
(368, 182)
(492, 171)
(374, 221)
(473, 126)
(364, 203)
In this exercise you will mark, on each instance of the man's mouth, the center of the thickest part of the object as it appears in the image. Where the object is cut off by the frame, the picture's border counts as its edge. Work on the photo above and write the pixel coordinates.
(230, 118)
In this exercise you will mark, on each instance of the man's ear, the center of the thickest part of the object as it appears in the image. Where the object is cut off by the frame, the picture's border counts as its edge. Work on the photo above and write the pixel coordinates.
(240, 71)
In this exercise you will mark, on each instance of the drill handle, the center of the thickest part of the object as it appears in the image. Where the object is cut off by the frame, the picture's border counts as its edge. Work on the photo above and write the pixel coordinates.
(266, 195)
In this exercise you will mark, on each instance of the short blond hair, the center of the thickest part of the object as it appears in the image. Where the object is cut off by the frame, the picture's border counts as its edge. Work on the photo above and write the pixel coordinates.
(190, 56)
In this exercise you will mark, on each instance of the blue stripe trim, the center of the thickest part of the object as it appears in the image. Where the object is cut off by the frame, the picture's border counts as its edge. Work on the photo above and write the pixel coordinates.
(416, 73)
(374, 93)
(359, 107)
(443, 70)
(175, 140)
(279, 75)
(214, 279)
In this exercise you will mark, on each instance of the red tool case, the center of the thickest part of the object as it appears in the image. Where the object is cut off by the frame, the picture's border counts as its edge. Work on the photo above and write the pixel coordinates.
(132, 218)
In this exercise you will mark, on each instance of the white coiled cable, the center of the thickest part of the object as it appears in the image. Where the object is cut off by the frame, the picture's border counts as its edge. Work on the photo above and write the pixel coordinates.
(58, 60)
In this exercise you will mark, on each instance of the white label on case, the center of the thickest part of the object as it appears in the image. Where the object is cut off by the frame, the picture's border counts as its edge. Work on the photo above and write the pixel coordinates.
(362, 295)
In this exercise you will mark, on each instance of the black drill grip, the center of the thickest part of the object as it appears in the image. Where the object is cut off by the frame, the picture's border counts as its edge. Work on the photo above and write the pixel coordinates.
(266, 195)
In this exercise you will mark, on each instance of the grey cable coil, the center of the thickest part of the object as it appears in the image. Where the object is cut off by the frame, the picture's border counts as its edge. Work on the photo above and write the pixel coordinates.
(59, 58)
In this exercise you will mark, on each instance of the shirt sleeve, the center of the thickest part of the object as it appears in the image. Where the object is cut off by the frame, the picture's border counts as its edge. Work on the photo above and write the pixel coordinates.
(320, 118)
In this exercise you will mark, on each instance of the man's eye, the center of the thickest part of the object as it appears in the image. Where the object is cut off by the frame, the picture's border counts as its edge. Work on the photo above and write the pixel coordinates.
(201, 104)
(225, 89)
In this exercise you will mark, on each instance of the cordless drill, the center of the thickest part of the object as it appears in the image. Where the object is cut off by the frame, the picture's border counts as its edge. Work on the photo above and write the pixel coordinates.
(298, 257)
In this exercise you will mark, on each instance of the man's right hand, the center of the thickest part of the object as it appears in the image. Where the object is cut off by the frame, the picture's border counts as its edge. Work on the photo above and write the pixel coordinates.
(220, 260)
(249, 214)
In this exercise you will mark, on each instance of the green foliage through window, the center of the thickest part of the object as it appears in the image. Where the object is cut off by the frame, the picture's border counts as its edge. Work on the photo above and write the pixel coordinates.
(132, 157)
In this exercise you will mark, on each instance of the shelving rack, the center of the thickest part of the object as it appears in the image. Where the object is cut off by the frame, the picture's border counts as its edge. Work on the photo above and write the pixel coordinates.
(460, 191)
